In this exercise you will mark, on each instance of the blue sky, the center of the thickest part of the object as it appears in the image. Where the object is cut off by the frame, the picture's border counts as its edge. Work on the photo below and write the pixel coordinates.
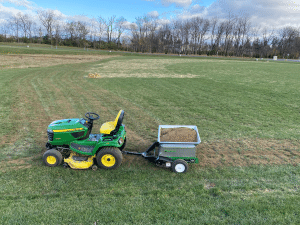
(129, 9)
(261, 13)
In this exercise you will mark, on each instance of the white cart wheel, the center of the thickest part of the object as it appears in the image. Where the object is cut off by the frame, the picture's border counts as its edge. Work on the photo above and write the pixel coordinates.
(179, 166)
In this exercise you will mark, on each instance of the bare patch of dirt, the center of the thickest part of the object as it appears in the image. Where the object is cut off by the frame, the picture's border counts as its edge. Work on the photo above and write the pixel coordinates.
(40, 60)
(16, 164)
(157, 68)
(209, 185)
(181, 134)
(3, 140)
(248, 152)
(16, 161)
(140, 145)
(144, 68)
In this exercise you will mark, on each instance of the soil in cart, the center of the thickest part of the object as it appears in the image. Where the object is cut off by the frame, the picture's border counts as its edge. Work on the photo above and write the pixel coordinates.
(180, 134)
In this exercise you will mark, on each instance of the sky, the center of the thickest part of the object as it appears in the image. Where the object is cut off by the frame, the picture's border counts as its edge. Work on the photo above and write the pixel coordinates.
(129, 9)
(262, 13)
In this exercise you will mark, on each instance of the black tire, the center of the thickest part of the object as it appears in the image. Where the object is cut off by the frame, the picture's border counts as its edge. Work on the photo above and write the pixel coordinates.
(124, 144)
(52, 158)
(179, 166)
(109, 158)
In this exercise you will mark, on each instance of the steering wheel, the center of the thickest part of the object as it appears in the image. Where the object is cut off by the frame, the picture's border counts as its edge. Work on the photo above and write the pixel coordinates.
(90, 116)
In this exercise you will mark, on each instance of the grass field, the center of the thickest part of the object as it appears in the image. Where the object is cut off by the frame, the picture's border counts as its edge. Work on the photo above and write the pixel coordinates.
(247, 113)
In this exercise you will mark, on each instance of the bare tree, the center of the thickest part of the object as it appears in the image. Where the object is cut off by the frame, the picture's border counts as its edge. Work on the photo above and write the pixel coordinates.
(24, 23)
(15, 24)
(229, 25)
(185, 30)
(289, 39)
(101, 28)
(214, 23)
(71, 30)
(47, 18)
(58, 27)
(81, 31)
(267, 36)
(196, 22)
(152, 26)
(138, 30)
(237, 33)
(120, 26)
(4, 29)
(110, 27)
(93, 31)
(218, 40)
(40, 32)
(177, 35)
(203, 30)
(134, 36)
(245, 38)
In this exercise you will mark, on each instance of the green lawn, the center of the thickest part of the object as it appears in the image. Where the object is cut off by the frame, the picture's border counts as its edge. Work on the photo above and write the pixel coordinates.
(146, 195)
(226, 99)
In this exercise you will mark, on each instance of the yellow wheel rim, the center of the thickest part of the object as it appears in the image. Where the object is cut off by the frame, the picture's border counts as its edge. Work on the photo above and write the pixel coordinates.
(51, 160)
(108, 160)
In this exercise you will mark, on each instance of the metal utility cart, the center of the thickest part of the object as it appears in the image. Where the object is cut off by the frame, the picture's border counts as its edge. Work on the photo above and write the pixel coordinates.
(174, 155)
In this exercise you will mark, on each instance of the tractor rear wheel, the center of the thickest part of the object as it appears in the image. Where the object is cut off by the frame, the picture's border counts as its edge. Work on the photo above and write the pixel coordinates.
(179, 166)
(109, 158)
(52, 158)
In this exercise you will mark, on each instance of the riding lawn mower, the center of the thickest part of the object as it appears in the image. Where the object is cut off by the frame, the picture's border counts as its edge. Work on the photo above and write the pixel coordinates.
(70, 141)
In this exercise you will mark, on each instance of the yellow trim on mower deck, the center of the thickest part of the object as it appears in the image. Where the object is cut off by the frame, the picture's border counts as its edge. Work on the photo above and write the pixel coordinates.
(79, 164)
(67, 130)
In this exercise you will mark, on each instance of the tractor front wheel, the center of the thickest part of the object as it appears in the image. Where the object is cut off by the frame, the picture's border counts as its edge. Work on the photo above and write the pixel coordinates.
(52, 158)
(109, 158)
(179, 166)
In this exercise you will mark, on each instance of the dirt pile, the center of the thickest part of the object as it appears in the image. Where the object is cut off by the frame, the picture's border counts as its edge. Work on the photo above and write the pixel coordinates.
(94, 75)
(181, 134)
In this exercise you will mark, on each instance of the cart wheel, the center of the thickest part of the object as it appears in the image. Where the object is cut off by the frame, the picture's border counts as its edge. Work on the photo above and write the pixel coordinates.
(179, 166)
(109, 158)
(52, 158)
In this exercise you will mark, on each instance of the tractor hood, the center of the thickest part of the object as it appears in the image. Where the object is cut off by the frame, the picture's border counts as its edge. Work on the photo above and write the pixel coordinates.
(66, 125)
(65, 131)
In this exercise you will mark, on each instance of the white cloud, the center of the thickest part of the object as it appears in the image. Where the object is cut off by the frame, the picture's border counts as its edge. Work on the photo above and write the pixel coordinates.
(178, 3)
(7, 11)
(154, 14)
(76, 18)
(265, 13)
(128, 25)
(163, 21)
(24, 3)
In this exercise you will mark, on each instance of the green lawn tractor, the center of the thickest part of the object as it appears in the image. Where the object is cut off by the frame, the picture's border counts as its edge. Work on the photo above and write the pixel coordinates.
(70, 142)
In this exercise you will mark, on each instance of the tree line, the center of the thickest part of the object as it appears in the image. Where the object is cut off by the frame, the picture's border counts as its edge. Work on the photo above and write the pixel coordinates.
(232, 36)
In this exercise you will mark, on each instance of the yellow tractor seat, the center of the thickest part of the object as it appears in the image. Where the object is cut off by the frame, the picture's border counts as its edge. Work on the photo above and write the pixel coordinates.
(112, 127)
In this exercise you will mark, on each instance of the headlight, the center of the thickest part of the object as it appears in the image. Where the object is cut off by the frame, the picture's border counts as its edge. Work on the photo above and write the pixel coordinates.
(120, 141)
